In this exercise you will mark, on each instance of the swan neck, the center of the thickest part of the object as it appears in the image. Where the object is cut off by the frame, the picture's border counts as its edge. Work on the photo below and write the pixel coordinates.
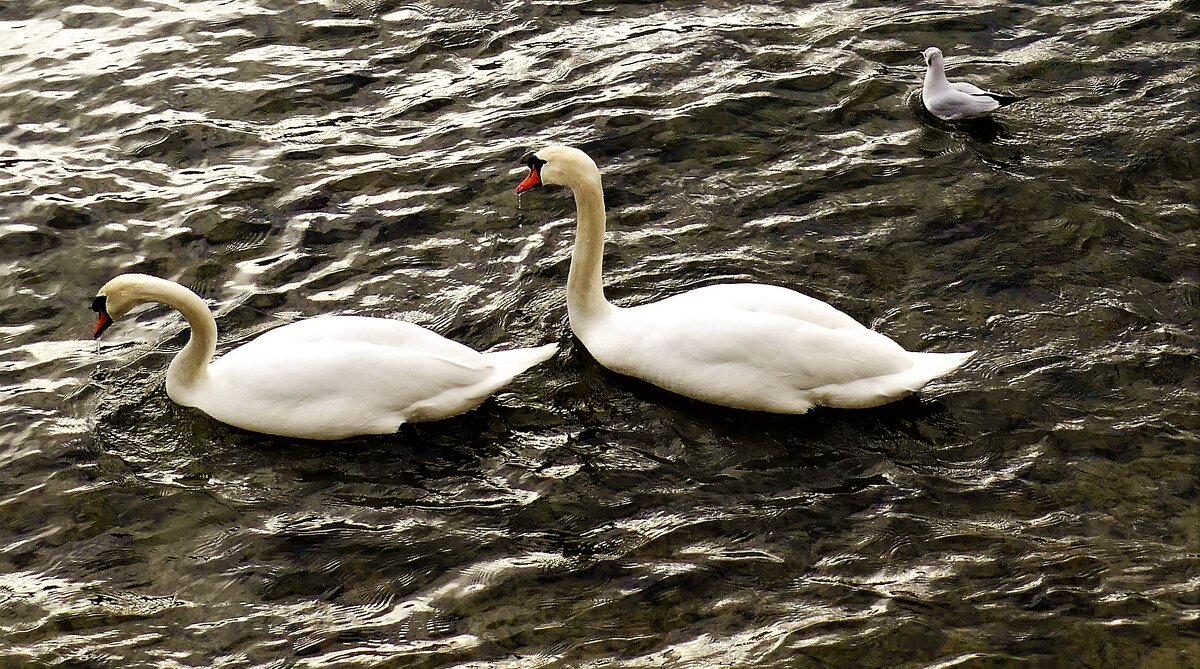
(190, 365)
(585, 282)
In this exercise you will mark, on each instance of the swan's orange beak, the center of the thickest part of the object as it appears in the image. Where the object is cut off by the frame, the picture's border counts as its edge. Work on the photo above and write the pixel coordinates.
(532, 181)
(103, 320)
(102, 323)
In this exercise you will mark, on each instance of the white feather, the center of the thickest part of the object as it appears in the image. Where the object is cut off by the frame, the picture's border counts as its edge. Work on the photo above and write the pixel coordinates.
(744, 345)
(953, 100)
(329, 377)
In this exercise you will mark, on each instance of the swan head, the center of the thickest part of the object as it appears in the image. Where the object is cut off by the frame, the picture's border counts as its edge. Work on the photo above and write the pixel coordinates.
(933, 56)
(558, 166)
(117, 297)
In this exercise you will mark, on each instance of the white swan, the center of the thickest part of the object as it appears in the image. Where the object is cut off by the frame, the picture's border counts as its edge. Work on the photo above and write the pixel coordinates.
(742, 345)
(322, 378)
(958, 100)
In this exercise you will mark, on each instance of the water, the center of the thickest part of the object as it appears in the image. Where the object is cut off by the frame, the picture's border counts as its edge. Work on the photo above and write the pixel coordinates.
(1039, 508)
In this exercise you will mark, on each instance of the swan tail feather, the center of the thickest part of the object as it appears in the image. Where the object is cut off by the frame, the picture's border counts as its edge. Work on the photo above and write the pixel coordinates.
(505, 365)
(876, 390)
(508, 364)
(929, 366)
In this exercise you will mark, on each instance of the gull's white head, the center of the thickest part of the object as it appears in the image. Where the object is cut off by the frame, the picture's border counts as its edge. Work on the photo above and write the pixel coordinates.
(558, 166)
(933, 55)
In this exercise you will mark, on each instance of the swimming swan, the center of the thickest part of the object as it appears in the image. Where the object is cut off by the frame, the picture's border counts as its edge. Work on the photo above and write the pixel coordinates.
(742, 345)
(321, 378)
(958, 100)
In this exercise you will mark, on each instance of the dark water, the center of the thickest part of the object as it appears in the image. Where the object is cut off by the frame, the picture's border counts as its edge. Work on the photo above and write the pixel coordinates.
(1039, 508)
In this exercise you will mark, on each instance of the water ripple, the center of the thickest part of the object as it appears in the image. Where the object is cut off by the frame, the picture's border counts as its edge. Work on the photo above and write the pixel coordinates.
(359, 156)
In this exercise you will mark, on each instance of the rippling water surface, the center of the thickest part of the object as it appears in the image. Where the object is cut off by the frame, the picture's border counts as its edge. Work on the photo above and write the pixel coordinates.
(1039, 508)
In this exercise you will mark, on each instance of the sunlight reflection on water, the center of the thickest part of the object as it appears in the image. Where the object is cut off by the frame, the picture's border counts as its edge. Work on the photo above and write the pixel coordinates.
(360, 157)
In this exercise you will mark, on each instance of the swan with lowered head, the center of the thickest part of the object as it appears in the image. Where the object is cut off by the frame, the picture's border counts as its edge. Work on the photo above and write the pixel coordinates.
(741, 345)
(329, 377)
(958, 100)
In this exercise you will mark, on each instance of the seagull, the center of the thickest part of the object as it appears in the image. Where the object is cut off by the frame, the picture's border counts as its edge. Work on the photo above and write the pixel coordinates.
(950, 101)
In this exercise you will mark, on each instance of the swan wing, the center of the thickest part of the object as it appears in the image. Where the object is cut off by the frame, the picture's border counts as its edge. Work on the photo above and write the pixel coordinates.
(763, 298)
(367, 330)
(330, 390)
(742, 359)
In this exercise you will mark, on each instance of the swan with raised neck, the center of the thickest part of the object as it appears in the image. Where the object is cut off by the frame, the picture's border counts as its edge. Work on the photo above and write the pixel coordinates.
(742, 345)
(570, 167)
(328, 377)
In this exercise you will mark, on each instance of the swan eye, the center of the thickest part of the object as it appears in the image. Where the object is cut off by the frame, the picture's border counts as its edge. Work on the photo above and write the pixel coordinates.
(533, 161)
(99, 305)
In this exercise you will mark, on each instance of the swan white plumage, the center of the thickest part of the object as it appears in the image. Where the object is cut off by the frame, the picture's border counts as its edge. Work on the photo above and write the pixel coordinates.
(956, 100)
(329, 377)
(742, 345)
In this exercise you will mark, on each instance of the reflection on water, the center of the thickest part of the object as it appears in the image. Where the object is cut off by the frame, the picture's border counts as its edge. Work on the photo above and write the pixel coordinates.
(1039, 507)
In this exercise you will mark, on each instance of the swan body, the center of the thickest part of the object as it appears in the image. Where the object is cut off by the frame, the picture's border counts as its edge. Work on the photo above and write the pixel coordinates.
(741, 345)
(956, 100)
(329, 377)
